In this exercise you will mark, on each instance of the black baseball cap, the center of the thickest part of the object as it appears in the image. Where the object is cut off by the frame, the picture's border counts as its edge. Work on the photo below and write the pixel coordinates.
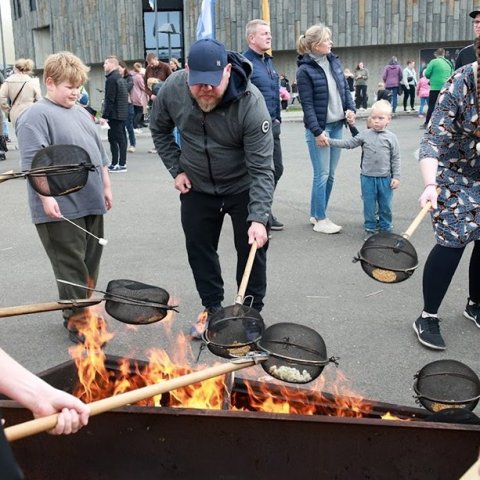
(474, 13)
(206, 60)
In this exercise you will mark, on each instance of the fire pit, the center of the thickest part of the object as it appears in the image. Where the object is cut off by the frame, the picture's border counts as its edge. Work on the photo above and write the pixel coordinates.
(178, 443)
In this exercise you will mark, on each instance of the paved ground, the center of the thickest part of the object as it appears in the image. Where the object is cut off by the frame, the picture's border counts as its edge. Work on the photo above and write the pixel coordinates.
(312, 279)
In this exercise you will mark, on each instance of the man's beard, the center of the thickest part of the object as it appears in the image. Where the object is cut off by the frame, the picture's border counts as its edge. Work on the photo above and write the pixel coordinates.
(207, 105)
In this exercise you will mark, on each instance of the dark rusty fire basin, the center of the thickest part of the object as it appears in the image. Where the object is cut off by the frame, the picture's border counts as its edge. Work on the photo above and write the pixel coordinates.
(166, 443)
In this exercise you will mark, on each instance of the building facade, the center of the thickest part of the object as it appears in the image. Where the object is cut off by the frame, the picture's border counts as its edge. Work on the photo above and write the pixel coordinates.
(368, 31)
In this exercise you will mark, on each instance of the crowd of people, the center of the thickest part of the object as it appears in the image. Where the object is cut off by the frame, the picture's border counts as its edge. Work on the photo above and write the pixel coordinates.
(224, 155)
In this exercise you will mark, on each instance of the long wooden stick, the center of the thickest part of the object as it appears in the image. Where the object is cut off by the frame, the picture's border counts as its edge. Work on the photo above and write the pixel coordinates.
(43, 424)
(417, 220)
(473, 473)
(246, 274)
(47, 307)
(6, 176)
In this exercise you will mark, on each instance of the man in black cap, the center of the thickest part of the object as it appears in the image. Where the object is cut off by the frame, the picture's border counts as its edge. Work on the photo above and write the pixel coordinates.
(224, 164)
(467, 55)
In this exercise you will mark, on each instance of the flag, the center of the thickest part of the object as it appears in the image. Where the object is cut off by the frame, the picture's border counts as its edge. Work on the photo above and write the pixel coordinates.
(265, 11)
(266, 16)
(206, 21)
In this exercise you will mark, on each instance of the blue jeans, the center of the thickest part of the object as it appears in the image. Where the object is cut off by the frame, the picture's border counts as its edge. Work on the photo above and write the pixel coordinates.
(377, 195)
(423, 104)
(394, 99)
(4, 125)
(324, 162)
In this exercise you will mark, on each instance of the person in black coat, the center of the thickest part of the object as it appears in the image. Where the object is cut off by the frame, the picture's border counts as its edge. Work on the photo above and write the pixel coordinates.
(467, 55)
(115, 111)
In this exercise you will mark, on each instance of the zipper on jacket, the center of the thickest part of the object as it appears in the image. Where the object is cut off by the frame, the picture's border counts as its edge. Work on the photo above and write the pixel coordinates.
(207, 154)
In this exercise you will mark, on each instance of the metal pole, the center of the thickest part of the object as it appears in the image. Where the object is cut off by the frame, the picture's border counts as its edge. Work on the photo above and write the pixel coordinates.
(156, 25)
(3, 45)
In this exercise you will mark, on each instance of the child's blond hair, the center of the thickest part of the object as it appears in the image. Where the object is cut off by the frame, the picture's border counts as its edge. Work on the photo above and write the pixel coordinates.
(65, 67)
(382, 106)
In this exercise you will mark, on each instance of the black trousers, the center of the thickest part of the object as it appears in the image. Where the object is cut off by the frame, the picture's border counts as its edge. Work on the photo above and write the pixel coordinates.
(432, 100)
(202, 219)
(137, 116)
(360, 96)
(277, 152)
(9, 469)
(438, 272)
(408, 93)
(117, 138)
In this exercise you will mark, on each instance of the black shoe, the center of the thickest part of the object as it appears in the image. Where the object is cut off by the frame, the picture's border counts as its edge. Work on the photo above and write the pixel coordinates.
(197, 329)
(428, 332)
(73, 334)
(2, 157)
(472, 312)
(276, 225)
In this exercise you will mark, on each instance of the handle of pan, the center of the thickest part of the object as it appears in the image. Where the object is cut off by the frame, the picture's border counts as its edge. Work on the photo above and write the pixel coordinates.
(6, 176)
(246, 274)
(416, 222)
(47, 307)
(43, 424)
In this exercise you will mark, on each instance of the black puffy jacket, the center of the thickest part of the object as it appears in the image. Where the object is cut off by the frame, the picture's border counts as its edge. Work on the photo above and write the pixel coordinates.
(115, 105)
(313, 91)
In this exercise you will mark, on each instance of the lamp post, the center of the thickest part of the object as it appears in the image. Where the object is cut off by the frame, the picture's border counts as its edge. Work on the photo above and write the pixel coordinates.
(169, 29)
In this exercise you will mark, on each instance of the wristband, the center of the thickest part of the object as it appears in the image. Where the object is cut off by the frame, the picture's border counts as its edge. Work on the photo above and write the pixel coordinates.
(430, 185)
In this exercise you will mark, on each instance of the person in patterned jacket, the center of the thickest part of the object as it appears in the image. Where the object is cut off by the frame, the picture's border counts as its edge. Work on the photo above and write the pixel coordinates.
(450, 165)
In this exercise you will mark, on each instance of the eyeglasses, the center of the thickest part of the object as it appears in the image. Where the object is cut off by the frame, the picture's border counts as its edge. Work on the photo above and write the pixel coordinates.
(476, 22)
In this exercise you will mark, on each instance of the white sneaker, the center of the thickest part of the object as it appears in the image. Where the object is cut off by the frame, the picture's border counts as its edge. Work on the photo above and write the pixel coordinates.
(313, 220)
(329, 222)
(138, 130)
(322, 226)
(131, 149)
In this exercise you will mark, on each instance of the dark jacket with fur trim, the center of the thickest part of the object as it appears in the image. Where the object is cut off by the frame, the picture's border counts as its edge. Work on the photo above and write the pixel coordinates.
(313, 91)
(225, 151)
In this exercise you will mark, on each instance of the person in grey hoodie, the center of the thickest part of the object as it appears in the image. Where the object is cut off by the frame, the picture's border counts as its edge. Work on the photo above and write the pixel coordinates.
(224, 165)
(380, 167)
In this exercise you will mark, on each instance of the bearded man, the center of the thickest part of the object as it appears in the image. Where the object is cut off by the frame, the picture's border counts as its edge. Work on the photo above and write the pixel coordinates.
(224, 165)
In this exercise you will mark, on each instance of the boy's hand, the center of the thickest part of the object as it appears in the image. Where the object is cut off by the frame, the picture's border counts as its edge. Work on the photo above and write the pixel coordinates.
(322, 140)
(395, 183)
(51, 208)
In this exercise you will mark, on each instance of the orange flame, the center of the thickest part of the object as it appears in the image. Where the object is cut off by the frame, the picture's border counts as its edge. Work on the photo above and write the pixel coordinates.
(97, 382)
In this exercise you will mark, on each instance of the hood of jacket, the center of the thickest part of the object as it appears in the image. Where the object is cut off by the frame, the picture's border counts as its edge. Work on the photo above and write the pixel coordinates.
(240, 74)
(392, 67)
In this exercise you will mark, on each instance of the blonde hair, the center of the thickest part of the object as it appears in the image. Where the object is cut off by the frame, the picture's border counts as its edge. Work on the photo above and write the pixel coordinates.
(65, 67)
(382, 106)
(137, 66)
(315, 34)
(24, 65)
(176, 62)
(252, 25)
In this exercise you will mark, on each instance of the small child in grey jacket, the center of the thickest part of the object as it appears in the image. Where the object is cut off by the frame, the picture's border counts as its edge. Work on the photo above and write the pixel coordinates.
(380, 167)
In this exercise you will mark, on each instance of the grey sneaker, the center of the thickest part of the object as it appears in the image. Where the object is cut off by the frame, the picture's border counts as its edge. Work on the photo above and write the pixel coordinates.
(472, 312)
(428, 332)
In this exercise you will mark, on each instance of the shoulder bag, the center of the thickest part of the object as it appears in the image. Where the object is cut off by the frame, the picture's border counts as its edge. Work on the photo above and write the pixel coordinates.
(14, 100)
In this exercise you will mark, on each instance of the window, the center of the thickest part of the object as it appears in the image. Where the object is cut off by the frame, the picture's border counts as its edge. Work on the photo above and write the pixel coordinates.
(33, 5)
(17, 9)
(167, 41)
